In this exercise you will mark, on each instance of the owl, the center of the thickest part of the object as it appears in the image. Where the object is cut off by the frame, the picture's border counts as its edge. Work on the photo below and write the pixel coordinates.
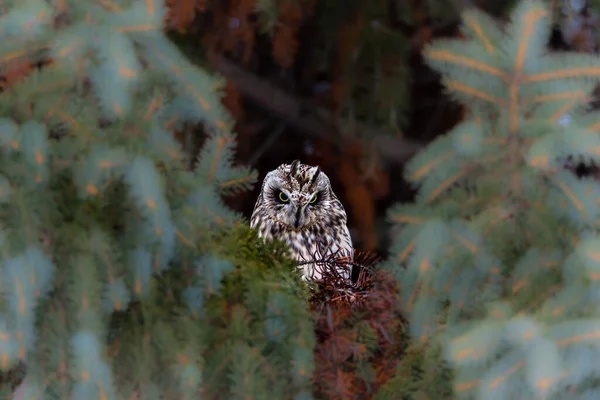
(297, 205)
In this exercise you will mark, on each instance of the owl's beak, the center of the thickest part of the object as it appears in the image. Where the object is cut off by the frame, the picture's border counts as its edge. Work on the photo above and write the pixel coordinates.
(298, 216)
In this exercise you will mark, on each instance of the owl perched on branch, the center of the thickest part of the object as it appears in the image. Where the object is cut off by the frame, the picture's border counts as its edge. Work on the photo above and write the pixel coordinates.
(297, 205)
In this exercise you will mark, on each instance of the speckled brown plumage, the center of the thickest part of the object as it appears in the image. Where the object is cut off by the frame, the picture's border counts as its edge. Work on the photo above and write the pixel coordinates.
(297, 205)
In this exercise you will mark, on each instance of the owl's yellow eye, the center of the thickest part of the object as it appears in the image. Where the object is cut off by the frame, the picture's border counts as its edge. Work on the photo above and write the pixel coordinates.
(313, 200)
(283, 197)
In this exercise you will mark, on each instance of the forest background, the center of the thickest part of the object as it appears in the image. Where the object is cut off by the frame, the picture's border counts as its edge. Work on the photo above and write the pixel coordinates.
(342, 85)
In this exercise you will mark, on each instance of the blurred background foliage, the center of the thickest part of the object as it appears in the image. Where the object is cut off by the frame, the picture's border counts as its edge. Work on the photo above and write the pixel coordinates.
(340, 84)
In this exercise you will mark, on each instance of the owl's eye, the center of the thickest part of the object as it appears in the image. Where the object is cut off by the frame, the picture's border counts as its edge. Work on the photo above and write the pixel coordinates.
(283, 197)
(314, 199)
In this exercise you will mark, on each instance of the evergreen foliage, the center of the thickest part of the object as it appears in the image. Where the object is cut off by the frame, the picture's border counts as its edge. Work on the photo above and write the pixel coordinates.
(501, 248)
(124, 275)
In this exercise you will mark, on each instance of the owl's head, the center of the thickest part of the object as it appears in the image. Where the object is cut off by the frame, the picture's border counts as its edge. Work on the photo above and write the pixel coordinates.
(297, 195)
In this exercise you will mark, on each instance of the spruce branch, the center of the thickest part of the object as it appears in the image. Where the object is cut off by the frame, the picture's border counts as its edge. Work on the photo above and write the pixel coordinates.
(118, 258)
(497, 248)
